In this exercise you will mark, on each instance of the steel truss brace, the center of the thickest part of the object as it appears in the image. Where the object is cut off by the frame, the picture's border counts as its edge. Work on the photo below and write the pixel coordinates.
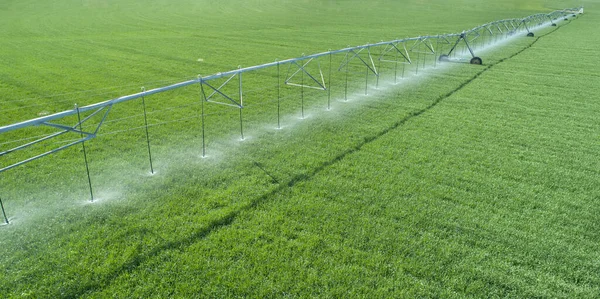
(394, 47)
(525, 23)
(514, 25)
(85, 136)
(489, 30)
(302, 69)
(356, 54)
(462, 37)
(218, 91)
(423, 41)
(499, 28)
(444, 39)
(232, 103)
(506, 26)
(475, 34)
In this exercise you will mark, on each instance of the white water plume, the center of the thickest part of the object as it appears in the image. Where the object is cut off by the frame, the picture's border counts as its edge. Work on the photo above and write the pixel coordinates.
(113, 187)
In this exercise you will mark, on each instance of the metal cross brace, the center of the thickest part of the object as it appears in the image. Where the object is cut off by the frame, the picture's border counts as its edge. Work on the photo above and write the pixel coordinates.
(463, 37)
(394, 47)
(423, 41)
(370, 66)
(302, 68)
(218, 91)
(524, 23)
(64, 129)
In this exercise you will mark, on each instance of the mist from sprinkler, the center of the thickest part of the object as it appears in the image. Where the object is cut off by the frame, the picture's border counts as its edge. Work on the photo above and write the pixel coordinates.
(170, 161)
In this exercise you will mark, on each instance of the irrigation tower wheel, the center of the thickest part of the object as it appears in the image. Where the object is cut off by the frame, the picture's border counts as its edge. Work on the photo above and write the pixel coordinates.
(476, 60)
(530, 34)
(553, 25)
(444, 58)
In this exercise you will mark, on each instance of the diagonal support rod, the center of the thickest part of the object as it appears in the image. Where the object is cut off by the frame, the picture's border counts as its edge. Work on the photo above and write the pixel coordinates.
(423, 41)
(3, 211)
(215, 91)
(394, 46)
(462, 37)
(370, 66)
(302, 68)
(218, 91)
(85, 136)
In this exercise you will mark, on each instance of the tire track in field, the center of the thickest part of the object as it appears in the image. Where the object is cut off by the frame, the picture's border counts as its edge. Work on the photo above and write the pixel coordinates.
(180, 245)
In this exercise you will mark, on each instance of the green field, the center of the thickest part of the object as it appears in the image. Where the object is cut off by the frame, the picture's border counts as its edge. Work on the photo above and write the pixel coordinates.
(463, 181)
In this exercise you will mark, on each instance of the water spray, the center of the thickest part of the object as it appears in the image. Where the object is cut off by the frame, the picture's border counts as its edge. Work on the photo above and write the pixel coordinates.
(360, 56)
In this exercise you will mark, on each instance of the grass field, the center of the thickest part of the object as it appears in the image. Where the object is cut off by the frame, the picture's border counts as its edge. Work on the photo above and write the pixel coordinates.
(464, 182)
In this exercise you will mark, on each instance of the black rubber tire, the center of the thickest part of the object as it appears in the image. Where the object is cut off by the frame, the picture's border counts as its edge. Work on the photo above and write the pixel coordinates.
(530, 34)
(476, 60)
(553, 25)
(444, 58)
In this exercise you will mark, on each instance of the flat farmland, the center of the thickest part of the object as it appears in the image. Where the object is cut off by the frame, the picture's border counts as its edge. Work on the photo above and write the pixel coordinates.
(462, 181)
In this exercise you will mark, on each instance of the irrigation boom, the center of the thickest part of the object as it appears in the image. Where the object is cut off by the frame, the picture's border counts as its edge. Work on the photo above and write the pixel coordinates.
(511, 25)
(445, 46)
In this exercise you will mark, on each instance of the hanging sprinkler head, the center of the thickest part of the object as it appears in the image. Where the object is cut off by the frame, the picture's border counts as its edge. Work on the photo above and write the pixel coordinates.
(3, 212)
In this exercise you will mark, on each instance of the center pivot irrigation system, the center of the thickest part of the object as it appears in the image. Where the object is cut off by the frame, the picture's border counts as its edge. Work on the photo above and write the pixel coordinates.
(213, 88)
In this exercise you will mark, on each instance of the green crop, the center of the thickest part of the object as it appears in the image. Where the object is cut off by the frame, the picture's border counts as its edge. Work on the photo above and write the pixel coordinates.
(462, 182)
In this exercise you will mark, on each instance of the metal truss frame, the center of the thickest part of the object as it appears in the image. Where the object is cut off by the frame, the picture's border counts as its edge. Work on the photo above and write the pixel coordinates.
(301, 68)
(62, 129)
(511, 27)
(214, 93)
